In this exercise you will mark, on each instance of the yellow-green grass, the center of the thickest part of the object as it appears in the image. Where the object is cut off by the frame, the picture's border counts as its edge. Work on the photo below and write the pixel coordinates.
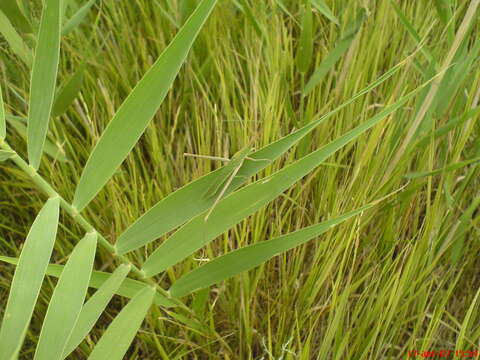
(403, 276)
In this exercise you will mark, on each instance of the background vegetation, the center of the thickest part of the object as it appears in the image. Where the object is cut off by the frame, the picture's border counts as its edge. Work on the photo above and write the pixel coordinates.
(403, 276)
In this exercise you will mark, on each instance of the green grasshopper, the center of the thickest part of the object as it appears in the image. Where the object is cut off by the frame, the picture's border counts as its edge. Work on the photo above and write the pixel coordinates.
(226, 174)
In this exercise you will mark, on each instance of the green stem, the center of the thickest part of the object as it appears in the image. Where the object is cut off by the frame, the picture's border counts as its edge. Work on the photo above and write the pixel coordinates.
(46, 188)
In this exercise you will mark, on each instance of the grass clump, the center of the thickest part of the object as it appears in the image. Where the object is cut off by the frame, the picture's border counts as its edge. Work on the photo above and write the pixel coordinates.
(362, 115)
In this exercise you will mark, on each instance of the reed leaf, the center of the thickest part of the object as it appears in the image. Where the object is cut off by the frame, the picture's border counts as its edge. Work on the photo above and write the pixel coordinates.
(117, 338)
(67, 300)
(42, 86)
(27, 279)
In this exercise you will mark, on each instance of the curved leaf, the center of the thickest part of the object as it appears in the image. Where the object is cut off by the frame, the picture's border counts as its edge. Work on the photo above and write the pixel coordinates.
(115, 342)
(67, 300)
(131, 120)
(28, 278)
(189, 201)
(44, 74)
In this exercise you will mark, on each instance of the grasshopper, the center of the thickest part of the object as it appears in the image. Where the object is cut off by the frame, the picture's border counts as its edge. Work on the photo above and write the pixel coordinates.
(226, 174)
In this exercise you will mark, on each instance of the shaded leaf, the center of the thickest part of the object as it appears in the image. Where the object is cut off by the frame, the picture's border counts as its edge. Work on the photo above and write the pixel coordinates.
(28, 278)
(69, 92)
(335, 55)
(67, 300)
(78, 17)
(305, 46)
(14, 40)
(14, 14)
(135, 113)
(44, 74)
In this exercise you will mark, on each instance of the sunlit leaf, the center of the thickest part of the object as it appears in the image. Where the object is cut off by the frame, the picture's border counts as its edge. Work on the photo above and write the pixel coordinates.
(44, 75)
(115, 342)
(28, 278)
(67, 300)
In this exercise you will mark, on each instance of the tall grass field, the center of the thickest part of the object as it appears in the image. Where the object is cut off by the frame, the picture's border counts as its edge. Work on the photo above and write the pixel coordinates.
(239, 179)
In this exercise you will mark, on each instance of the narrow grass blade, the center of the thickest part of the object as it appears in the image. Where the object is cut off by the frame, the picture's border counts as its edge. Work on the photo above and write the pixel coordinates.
(12, 11)
(69, 92)
(450, 167)
(14, 40)
(28, 278)
(189, 201)
(449, 126)
(325, 10)
(128, 289)
(3, 123)
(334, 56)
(249, 199)
(67, 300)
(78, 17)
(135, 113)
(5, 155)
(305, 47)
(53, 150)
(413, 33)
(94, 307)
(251, 256)
(44, 74)
(250, 17)
(115, 342)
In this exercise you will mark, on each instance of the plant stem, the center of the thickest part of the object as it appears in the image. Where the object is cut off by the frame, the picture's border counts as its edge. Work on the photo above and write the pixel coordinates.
(46, 188)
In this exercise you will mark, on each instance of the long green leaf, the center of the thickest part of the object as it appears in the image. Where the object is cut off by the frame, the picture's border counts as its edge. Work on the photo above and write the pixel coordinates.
(94, 307)
(78, 17)
(132, 118)
(115, 342)
(128, 289)
(189, 201)
(44, 74)
(249, 199)
(335, 55)
(305, 46)
(251, 256)
(69, 92)
(323, 8)
(3, 124)
(28, 278)
(15, 41)
(67, 300)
